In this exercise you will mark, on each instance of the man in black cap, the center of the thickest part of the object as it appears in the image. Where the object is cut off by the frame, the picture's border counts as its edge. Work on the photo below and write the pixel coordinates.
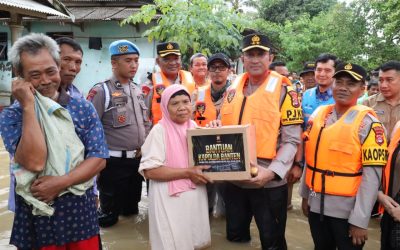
(307, 76)
(169, 61)
(345, 150)
(267, 100)
(208, 100)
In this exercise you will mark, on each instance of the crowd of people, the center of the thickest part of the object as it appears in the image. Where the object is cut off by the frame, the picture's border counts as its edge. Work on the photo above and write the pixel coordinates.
(334, 127)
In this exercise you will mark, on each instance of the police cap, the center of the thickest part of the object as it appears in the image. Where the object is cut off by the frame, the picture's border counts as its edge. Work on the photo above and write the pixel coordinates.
(308, 67)
(355, 71)
(123, 47)
(255, 41)
(164, 49)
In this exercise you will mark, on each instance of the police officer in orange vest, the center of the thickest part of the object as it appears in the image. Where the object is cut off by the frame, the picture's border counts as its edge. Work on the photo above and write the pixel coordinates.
(169, 61)
(123, 113)
(389, 195)
(265, 99)
(345, 150)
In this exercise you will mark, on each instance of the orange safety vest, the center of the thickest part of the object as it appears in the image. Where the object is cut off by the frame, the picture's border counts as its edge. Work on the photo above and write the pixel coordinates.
(261, 109)
(160, 82)
(387, 178)
(205, 110)
(334, 154)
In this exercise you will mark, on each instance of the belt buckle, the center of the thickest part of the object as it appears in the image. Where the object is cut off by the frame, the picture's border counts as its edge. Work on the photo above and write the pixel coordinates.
(137, 153)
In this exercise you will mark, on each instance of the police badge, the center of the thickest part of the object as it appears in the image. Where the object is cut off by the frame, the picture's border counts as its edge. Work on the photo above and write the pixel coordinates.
(201, 107)
(379, 135)
(160, 89)
(231, 95)
(294, 98)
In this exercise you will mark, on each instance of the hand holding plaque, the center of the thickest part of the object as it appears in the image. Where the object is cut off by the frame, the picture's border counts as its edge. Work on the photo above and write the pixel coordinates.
(228, 150)
(195, 174)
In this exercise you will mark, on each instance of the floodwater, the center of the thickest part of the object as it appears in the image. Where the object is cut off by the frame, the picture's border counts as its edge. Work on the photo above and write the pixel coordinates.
(132, 232)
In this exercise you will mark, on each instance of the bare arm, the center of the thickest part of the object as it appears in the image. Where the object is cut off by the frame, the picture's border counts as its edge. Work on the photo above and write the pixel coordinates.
(31, 152)
(169, 174)
(47, 188)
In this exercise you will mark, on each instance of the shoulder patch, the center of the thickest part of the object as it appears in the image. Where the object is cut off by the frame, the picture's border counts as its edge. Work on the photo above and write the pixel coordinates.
(91, 94)
(291, 108)
(374, 148)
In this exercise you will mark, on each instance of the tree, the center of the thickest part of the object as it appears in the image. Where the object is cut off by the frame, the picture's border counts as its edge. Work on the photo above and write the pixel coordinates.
(206, 26)
(337, 31)
(280, 11)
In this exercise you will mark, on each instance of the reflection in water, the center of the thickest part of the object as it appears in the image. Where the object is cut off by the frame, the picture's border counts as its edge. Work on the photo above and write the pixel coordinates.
(132, 232)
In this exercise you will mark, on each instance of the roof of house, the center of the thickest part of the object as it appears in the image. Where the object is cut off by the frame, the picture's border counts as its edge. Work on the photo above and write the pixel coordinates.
(31, 8)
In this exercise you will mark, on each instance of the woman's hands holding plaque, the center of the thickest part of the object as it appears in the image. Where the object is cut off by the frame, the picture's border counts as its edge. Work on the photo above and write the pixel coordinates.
(195, 174)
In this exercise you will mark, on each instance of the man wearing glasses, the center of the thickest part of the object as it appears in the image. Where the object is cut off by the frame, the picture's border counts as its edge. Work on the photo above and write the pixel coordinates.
(208, 100)
(169, 61)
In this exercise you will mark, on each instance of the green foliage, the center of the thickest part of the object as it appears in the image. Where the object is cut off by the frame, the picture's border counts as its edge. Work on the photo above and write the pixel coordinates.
(206, 26)
(280, 11)
(365, 32)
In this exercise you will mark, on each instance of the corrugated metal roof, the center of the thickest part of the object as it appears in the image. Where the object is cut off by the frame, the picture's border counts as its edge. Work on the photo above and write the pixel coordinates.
(99, 13)
(30, 5)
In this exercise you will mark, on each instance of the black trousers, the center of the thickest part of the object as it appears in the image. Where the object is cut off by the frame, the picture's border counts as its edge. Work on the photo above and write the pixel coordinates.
(120, 186)
(331, 233)
(267, 205)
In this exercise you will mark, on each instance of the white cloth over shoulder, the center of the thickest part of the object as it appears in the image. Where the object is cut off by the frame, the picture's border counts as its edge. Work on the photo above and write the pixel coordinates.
(65, 151)
(175, 223)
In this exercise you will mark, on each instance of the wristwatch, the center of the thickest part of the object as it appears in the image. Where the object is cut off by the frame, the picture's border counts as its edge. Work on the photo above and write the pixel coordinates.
(298, 163)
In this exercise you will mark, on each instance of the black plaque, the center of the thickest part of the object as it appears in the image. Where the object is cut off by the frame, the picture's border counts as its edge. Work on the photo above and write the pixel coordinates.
(224, 152)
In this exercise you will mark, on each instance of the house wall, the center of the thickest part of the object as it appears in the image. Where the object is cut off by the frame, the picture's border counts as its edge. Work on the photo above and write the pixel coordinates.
(96, 64)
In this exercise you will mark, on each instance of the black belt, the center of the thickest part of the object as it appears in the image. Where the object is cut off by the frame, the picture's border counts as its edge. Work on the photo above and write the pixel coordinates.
(328, 173)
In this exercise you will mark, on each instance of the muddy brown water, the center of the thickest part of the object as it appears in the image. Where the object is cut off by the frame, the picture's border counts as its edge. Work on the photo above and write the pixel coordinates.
(132, 232)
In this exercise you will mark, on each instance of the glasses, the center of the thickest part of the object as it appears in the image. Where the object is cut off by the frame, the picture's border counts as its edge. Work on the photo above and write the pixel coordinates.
(214, 68)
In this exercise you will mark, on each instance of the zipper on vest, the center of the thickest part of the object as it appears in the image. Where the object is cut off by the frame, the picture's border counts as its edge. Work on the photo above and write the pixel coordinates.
(241, 110)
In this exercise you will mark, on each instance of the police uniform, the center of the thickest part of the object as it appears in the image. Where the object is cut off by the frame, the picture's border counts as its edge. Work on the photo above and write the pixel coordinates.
(344, 160)
(123, 114)
(157, 82)
(275, 111)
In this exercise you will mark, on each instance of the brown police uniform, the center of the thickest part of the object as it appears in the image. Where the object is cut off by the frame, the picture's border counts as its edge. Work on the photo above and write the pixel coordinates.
(123, 114)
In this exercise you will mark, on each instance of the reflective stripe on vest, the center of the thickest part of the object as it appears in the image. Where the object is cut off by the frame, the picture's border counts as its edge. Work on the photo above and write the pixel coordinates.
(205, 110)
(333, 154)
(261, 109)
(160, 82)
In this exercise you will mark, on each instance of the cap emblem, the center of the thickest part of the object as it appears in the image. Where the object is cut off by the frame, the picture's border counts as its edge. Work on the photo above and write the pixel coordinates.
(348, 67)
(170, 46)
(123, 48)
(255, 40)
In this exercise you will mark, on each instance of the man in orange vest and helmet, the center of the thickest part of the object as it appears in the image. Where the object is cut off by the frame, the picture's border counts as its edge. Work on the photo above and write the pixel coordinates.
(265, 99)
(169, 61)
(345, 150)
